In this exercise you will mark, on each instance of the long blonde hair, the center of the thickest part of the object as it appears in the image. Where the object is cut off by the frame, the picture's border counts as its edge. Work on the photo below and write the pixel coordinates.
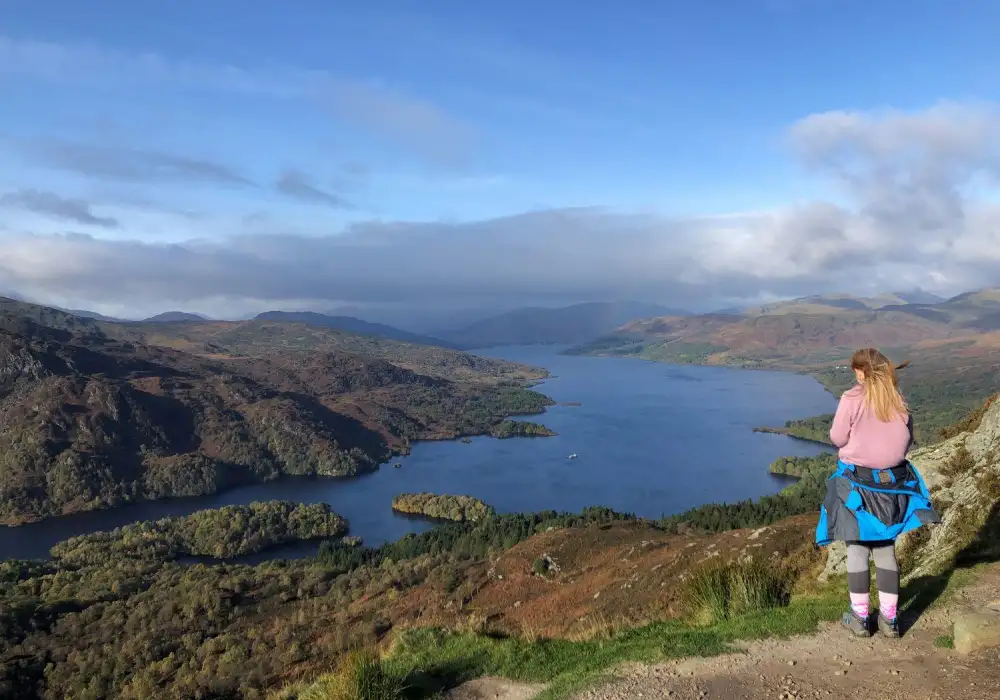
(881, 384)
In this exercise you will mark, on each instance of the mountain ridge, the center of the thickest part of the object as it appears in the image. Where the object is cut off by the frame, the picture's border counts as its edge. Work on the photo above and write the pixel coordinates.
(803, 331)
(175, 317)
(352, 324)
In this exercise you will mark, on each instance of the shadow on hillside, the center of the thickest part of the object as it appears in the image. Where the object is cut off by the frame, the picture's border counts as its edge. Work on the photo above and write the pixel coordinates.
(434, 680)
(349, 432)
(922, 593)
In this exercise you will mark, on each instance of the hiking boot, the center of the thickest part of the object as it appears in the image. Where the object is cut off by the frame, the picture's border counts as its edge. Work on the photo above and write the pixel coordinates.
(855, 625)
(890, 628)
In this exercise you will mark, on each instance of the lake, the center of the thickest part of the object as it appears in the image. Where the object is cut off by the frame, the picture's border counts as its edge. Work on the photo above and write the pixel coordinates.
(651, 439)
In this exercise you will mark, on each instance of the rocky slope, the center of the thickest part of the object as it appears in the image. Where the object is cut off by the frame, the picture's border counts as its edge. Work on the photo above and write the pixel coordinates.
(963, 475)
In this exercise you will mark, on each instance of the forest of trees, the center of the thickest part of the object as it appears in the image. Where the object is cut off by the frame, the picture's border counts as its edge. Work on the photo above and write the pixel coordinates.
(815, 429)
(803, 496)
(118, 626)
(444, 507)
(223, 533)
(802, 466)
(517, 428)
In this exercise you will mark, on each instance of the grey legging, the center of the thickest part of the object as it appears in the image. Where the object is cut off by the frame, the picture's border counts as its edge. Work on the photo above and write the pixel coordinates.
(886, 568)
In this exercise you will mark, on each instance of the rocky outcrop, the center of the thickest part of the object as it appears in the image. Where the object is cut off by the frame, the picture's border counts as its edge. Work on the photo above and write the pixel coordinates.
(963, 476)
(836, 562)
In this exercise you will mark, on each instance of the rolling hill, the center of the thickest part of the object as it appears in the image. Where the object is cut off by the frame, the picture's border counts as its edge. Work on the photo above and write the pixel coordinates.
(564, 325)
(94, 415)
(174, 317)
(351, 325)
(817, 302)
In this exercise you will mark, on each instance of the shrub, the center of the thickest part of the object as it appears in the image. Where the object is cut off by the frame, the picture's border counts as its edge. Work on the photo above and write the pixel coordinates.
(721, 591)
(960, 462)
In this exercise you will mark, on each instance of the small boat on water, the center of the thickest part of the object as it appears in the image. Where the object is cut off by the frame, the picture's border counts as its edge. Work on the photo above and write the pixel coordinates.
(572, 456)
(397, 465)
(466, 440)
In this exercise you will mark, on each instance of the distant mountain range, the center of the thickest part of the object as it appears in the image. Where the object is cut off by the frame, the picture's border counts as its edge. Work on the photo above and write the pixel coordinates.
(565, 325)
(846, 301)
(422, 321)
(809, 330)
(352, 325)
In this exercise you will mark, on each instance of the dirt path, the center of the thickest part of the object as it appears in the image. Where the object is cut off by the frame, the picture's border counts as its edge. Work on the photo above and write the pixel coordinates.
(493, 689)
(828, 664)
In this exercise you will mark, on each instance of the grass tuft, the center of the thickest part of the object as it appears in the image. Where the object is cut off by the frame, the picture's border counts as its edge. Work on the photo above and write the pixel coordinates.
(945, 641)
(361, 675)
(719, 592)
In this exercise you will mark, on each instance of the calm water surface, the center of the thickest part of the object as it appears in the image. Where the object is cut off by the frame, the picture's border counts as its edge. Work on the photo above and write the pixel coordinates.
(651, 439)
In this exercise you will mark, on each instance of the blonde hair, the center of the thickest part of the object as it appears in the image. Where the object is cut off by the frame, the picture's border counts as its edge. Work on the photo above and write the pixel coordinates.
(881, 384)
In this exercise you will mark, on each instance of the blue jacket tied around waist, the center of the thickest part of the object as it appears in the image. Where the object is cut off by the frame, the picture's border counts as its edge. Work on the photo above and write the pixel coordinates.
(873, 505)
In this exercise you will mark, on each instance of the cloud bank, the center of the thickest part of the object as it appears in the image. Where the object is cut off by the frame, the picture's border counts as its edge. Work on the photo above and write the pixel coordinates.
(916, 207)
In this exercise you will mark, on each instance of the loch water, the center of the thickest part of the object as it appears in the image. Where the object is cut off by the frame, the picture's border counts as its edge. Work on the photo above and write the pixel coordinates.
(650, 438)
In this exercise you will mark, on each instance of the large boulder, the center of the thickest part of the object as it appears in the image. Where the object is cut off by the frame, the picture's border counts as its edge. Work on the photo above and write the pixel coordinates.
(977, 631)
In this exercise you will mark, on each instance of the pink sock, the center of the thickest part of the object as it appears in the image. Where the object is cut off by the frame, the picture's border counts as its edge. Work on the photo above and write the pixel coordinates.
(860, 605)
(888, 603)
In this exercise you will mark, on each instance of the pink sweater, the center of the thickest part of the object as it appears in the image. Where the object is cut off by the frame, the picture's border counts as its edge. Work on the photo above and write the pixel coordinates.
(863, 439)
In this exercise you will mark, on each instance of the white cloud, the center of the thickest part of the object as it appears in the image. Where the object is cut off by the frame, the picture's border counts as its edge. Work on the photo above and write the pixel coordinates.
(52, 205)
(127, 164)
(297, 184)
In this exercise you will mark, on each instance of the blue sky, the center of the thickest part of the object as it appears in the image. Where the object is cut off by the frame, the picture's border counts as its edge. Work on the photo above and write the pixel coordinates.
(133, 133)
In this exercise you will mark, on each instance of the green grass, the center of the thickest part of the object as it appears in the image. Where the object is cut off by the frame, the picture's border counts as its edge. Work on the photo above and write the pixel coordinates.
(945, 641)
(754, 602)
(565, 666)
(748, 602)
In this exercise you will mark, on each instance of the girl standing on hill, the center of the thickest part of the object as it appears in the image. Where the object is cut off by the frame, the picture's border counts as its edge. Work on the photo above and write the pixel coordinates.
(875, 494)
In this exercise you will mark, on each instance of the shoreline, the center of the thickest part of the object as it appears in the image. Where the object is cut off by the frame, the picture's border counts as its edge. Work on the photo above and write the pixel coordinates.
(786, 433)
